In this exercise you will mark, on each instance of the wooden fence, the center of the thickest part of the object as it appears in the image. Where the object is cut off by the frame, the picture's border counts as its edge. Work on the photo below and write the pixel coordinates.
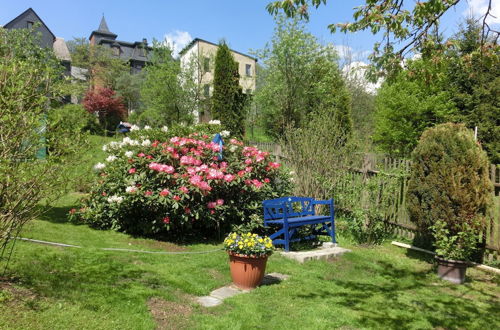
(394, 207)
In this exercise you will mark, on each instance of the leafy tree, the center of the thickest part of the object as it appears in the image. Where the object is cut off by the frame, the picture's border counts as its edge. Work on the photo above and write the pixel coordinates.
(128, 87)
(452, 81)
(414, 100)
(301, 77)
(405, 24)
(103, 68)
(474, 75)
(106, 106)
(228, 100)
(164, 97)
(30, 77)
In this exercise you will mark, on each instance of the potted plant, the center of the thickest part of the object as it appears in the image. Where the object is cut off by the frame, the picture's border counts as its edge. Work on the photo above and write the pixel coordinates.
(454, 250)
(247, 258)
(449, 193)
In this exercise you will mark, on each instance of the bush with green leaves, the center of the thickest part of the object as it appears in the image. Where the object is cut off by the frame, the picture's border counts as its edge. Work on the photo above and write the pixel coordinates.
(161, 184)
(449, 188)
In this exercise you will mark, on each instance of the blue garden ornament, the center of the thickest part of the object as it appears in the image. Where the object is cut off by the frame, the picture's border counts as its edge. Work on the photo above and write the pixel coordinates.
(218, 139)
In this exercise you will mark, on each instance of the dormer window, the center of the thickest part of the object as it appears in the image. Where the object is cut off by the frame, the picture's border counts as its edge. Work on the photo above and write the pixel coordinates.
(29, 24)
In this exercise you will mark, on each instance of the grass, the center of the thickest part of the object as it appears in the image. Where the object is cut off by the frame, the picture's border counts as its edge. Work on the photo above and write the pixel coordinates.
(87, 288)
(259, 134)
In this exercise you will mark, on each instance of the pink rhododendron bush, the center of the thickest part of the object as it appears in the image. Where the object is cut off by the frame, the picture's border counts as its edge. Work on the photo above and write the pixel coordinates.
(179, 185)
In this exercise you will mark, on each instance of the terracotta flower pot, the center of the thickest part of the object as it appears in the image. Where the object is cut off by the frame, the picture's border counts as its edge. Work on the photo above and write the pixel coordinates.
(247, 272)
(452, 270)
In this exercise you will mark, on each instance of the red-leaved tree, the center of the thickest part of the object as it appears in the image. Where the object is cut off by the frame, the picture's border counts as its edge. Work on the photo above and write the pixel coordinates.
(108, 107)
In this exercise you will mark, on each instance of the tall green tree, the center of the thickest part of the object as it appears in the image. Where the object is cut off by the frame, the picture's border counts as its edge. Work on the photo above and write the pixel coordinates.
(162, 91)
(228, 100)
(301, 77)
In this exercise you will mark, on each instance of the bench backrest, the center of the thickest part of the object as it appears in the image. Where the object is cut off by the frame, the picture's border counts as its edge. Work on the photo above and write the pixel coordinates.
(295, 207)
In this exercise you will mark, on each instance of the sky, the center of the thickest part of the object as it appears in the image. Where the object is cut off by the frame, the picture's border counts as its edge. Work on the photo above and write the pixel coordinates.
(244, 24)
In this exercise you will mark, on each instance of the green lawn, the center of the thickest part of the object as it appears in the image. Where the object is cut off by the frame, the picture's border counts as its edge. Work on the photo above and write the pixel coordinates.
(49, 287)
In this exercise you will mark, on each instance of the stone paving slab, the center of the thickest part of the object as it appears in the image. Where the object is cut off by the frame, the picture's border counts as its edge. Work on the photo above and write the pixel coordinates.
(208, 301)
(325, 253)
(218, 295)
(226, 292)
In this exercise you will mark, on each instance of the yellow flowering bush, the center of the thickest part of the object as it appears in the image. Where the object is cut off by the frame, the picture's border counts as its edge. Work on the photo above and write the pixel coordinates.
(248, 244)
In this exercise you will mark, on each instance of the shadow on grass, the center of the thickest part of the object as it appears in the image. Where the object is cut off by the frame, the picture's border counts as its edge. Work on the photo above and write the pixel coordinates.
(396, 297)
(57, 214)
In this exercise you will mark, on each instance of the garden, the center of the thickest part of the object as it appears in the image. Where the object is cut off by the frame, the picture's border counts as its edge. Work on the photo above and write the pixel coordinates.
(102, 229)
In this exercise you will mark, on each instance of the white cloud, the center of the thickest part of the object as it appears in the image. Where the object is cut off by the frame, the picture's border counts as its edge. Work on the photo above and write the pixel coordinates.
(478, 8)
(177, 40)
(356, 73)
(348, 53)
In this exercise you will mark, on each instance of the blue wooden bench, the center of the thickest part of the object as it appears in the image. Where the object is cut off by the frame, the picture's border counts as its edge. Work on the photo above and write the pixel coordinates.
(288, 214)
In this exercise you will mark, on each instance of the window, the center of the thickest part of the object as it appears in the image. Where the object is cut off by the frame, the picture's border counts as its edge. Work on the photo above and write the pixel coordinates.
(206, 64)
(206, 90)
(248, 69)
(116, 51)
(29, 24)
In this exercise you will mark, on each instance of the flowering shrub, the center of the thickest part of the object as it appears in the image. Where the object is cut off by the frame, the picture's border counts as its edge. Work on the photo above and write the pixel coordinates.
(174, 185)
(248, 244)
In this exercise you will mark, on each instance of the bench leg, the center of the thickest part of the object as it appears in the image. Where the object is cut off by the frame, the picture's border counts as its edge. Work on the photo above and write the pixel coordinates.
(286, 235)
(332, 232)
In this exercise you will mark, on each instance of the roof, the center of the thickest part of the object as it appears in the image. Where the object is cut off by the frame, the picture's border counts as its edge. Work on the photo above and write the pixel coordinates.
(103, 26)
(103, 29)
(29, 10)
(61, 49)
(130, 50)
(195, 40)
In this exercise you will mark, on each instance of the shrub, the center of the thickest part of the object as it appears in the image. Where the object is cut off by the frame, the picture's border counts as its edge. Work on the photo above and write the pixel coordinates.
(106, 105)
(155, 183)
(449, 187)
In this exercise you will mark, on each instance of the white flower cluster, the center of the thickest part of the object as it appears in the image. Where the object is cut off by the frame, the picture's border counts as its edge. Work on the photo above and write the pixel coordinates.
(134, 128)
(214, 122)
(111, 158)
(225, 133)
(99, 166)
(147, 127)
(115, 199)
(164, 129)
(129, 154)
(233, 148)
(146, 143)
(131, 189)
(129, 141)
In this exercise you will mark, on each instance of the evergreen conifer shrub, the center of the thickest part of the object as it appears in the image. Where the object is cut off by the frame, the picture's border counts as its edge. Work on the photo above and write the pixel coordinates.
(449, 184)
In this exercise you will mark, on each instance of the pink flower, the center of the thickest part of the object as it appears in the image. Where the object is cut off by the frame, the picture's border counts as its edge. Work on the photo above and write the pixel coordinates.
(241, 173)
(187, 210)
(212, 212)
(149, 157)
(257, 183)
(211, 205)
(164, 192)
(228, 177)
(266, 180)
(166, 220)
(248, 161)
(141, 154)
(274, 165)
(204, 186)
(184, 189)
(220, 202)
(148, 193)
(248, 169)
(176, 198)
(132, 170)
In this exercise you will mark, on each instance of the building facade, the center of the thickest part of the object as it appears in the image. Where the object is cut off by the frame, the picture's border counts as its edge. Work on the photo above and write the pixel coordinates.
(200, 54)
(136, 53)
